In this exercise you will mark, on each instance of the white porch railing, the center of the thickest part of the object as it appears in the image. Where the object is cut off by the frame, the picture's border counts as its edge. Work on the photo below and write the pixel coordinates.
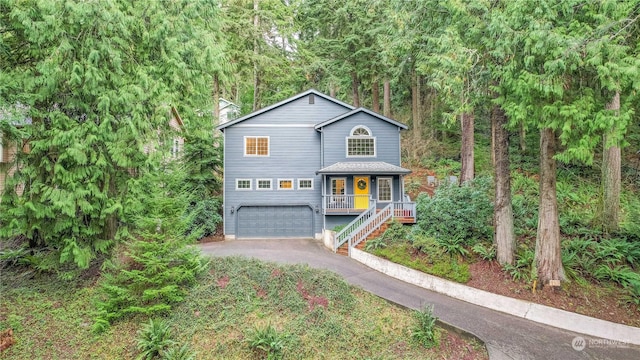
(405, 209)
(347, 203)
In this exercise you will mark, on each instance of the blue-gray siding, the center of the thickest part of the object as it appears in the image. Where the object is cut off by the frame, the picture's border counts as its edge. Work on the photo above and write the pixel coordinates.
(294, 154)
(387, 140)
(336, 220)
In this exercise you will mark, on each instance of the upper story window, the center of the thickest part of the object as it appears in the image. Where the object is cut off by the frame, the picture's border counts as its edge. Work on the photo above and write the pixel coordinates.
(361, 143)
(256, 146)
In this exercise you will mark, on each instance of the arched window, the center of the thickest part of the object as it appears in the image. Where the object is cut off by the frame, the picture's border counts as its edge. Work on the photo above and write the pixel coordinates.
(361, 142)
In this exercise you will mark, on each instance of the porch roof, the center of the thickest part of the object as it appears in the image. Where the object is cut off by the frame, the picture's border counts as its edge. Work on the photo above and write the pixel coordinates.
(364, 168)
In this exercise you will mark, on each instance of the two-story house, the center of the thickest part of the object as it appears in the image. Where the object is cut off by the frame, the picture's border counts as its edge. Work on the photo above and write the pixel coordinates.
(309, 163)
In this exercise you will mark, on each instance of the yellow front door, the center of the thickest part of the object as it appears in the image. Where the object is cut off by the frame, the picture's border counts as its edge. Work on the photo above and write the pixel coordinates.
(361, 191)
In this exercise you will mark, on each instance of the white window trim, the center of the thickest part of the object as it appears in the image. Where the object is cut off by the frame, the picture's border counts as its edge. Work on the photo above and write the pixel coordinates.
(244, 189)
(390, 188)
(285, 189)
(244, 149)
(351, 136)
(360, 127)
(264, 189)
(305, 188)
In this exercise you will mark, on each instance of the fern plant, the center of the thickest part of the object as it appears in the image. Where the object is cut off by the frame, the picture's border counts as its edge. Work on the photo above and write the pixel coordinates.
(424, 330)
(154, 339)
(268, 341)
(522, 268)
(487, 253)
(183, 352)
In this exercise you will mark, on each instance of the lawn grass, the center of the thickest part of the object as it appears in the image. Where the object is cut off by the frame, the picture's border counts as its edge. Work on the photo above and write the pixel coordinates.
(317, 314)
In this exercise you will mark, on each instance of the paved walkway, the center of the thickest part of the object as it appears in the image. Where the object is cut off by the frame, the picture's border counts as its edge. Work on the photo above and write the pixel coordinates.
(506, 336)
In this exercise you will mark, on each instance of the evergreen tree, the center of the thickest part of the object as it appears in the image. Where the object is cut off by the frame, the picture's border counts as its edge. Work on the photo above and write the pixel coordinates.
(98, 78)
(559, 77)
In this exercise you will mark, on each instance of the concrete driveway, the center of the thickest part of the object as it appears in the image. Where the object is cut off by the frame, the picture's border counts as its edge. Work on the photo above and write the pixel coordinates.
(506, 336)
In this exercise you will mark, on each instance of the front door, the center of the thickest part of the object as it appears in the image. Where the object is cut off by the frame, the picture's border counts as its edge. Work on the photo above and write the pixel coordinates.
(361, 191)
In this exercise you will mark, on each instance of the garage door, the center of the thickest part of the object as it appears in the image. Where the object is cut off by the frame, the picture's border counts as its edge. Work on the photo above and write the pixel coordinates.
(275, 221)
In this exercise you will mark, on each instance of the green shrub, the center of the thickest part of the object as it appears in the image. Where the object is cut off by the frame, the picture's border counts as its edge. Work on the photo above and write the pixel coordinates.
(154, 339)
(631, 223)
(339, 228)
(155, 277)
(424, 330)
(458, 212)
(396, 232)
(402, 254)
(374, 244)
(451, 270)
(267, 341)
(426, 244)
(203, 218)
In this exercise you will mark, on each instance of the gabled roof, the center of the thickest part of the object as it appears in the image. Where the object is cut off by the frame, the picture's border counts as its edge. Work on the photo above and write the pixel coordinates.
(281, 103)
(358, 110)
(363, 167)
(227, 104)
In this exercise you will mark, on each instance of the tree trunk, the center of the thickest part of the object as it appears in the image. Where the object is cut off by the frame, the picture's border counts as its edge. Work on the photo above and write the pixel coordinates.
(375, 96)
(466, 148)
(216, 100)
(503, 210)
(256, 76)
(355, 84)
(548, 258)
(611, 175)
(387, 98)
(416, 114)
(523, 137)
(493, 136)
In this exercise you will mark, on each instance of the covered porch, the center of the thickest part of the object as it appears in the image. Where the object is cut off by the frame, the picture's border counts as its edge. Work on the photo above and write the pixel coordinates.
(351, 188)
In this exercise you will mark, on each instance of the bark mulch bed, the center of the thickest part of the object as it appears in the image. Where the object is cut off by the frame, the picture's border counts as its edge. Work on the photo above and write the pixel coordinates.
(592, 300)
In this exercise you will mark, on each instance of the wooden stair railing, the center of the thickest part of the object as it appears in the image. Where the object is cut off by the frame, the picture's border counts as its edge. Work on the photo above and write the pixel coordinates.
(360, 228)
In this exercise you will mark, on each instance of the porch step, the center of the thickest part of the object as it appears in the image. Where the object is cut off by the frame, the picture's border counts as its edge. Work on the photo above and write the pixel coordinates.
(343, 250)
(373, 235)
(406, 220)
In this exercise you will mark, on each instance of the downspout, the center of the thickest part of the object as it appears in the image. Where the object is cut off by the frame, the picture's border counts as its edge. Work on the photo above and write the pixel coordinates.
(321, 148)
(324, 191)
(224, 183)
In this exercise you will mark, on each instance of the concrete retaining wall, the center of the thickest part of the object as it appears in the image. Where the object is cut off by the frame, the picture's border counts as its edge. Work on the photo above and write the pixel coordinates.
(524, 309)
